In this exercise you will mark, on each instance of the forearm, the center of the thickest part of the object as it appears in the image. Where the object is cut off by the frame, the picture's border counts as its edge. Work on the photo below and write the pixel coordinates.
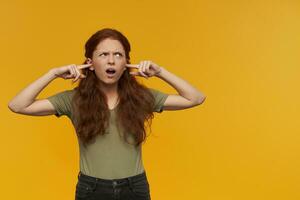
(184, 89)
(28, 95)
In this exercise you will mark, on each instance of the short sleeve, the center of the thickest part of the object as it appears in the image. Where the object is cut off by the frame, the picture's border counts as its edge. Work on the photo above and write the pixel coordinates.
(61, 102)
(160, 98)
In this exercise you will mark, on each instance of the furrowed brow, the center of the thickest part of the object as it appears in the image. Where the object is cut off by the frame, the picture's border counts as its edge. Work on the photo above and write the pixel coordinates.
(108, 52)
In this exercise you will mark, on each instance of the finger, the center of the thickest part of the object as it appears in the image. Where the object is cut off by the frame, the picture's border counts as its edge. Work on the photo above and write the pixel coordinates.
(144, 65)
(70, 73)
(78, 74)
(81, 75)
(148, 65)
(73, 73)
(84, 66)
(134, 73)
(148, 69)
(141, 72)
(145, 69)
(132, 66)
(68, 76)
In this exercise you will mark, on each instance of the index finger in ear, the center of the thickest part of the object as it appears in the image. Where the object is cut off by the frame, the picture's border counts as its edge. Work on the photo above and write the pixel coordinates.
(84, 66)
(131, 65)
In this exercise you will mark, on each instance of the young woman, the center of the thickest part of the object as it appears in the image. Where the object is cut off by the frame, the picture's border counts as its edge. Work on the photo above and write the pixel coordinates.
(108, 109)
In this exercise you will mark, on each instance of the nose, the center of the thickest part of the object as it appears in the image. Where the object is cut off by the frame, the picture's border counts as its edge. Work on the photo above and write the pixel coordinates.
(111, 59)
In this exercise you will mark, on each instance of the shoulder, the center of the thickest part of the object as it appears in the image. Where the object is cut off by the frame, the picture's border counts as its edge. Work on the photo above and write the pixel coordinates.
(154, 91)
(62, 96)
(68, 93)
(157, 93)
(159, 99)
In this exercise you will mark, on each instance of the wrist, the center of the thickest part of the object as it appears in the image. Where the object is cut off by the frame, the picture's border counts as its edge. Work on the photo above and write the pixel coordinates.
(52, 73)
(159, 74)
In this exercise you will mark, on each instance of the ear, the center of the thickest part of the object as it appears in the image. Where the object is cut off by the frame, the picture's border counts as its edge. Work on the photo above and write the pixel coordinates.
(89, 61)
(127, 62)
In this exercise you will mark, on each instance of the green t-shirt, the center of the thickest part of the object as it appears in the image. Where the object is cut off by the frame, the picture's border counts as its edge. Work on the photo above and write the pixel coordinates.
(109, 157)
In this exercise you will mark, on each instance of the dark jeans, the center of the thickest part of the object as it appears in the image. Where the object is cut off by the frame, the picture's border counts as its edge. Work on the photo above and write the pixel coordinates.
(130, 188)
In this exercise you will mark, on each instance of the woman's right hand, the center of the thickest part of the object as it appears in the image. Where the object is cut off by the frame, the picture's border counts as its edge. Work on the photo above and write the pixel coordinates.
(70, 71)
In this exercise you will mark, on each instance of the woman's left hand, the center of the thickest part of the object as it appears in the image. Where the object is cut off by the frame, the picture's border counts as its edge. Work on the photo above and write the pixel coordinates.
(146, 69)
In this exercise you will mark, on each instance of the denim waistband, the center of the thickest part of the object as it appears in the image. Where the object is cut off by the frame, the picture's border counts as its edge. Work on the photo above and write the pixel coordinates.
(113, 182)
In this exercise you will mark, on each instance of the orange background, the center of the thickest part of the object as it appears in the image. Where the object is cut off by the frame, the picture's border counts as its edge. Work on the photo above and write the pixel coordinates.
(242, 143)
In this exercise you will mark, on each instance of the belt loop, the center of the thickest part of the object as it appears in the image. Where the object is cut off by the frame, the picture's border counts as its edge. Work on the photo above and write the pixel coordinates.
(95, 184)
(130, 183)
(97, 181)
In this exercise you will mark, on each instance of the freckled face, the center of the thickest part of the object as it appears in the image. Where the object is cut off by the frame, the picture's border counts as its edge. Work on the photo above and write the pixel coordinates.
(109, 53)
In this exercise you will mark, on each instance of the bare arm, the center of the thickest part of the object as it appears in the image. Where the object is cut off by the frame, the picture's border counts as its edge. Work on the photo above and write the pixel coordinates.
(25, 101)
(188, 96)
(25, 98)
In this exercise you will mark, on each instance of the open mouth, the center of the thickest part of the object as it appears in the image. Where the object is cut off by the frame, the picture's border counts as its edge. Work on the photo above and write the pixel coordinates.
(110, 71)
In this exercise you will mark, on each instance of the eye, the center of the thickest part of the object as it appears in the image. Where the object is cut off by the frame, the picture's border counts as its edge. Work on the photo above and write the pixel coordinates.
(119, 54)
(103, 54)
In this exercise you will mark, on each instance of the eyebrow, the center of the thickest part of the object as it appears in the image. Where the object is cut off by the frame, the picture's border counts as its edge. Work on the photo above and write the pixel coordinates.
(107, 52)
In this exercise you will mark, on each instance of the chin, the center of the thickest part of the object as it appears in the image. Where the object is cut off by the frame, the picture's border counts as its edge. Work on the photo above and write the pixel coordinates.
(109, 80)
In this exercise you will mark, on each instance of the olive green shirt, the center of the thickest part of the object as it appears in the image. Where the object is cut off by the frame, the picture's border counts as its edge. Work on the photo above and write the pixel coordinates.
(109, 157)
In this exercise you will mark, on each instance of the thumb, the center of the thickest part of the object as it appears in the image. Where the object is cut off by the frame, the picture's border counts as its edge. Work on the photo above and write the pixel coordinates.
(134, 73)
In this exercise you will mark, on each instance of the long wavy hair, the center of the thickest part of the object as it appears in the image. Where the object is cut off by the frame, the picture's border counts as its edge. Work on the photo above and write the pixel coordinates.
(90, 106)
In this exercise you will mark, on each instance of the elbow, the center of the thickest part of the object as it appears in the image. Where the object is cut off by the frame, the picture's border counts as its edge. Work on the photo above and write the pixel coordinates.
(200, 100)
(12, 107)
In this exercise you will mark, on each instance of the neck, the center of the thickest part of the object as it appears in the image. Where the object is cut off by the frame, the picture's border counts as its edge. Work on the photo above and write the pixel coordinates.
(111, 93)
(110, 90)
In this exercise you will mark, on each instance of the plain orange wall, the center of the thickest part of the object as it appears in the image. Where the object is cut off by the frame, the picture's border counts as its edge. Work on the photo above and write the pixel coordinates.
(242, 143)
